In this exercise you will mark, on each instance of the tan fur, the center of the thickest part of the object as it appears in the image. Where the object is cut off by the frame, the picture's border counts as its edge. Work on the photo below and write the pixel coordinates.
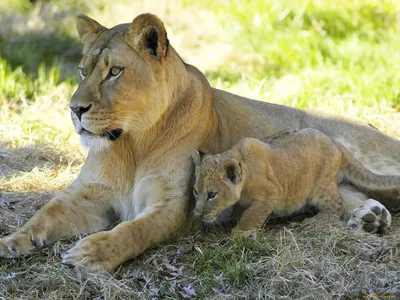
(280, 175)
(165, 108)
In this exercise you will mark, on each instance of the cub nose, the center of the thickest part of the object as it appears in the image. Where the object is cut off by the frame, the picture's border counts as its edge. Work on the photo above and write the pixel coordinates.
(198, 214)
(80, 110)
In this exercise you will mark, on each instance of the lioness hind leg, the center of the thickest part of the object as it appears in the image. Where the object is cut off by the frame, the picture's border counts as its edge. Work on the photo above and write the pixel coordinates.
(372, 216)
(364, 214)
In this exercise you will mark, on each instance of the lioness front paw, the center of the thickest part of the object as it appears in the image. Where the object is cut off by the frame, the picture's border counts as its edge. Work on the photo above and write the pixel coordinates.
(95, 252)
(4, 252)
(22, 243)
(372, 217)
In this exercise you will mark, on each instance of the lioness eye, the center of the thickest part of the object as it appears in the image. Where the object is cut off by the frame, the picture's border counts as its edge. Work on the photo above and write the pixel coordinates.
(115, 71)
(82, 73)
(211, 195)
(195, 193)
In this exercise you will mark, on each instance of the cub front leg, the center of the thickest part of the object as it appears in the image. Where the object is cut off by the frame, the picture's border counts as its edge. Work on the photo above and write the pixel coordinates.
(255, 216)
(78, 209)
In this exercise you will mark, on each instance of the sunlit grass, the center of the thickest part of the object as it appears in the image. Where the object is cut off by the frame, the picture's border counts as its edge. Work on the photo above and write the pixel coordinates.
(34, 109)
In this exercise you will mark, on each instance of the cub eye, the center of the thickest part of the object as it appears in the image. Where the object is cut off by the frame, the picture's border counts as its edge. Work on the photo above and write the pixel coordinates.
(195, 193)
(82, 73)
(211, 195)
(115, 71)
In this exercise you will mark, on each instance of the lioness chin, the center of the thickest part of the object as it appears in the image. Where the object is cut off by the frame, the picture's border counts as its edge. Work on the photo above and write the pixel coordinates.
(141, 110)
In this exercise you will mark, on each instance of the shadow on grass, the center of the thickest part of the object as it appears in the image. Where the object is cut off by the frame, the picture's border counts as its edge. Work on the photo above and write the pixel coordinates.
(20, 207)
(14, 161)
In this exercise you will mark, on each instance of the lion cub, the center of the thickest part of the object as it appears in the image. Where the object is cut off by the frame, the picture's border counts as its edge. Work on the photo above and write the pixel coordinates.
(281, 175)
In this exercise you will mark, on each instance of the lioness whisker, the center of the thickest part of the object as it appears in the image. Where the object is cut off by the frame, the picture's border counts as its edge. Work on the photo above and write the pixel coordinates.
(131, 126)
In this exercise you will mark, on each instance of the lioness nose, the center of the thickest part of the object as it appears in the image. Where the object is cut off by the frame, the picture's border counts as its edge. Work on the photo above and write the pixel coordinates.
(80, 110)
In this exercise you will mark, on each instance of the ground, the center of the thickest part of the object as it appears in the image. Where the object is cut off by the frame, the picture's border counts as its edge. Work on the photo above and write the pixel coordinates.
(336, 56)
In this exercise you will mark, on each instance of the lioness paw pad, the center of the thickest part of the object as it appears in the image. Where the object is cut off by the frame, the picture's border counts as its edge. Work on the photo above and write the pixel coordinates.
(371, 217)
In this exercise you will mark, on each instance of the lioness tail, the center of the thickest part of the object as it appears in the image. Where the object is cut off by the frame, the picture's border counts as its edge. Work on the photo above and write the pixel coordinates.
(360, 176)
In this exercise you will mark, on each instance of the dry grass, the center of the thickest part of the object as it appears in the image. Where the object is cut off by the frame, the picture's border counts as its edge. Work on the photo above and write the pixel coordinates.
(320, 261)
(347, 63)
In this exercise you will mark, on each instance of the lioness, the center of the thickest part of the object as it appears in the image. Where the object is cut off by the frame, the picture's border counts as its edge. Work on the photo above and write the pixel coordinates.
(293, 169)
(141, 110)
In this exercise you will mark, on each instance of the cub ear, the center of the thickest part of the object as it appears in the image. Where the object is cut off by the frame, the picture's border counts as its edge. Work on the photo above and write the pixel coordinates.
(148, 36)
(197, 157)
(88, 28)
(232, 171)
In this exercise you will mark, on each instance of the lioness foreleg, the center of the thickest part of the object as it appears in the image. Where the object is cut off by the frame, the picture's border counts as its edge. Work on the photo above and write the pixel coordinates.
(78, 209)
(162, 204)
(104, 251)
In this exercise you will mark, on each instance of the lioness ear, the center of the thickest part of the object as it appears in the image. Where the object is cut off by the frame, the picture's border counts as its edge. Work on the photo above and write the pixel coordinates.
(148, 36)
(197, 157)
(232, 171)
(88, 28)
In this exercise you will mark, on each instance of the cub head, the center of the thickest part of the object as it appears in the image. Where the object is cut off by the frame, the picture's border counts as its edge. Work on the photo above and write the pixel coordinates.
(122, 86)
(218, 184)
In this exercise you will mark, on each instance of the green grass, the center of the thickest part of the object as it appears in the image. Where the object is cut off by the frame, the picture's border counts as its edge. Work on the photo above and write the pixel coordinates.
(336, 56)
(19, 88)
(344, 48)
(31, 106)
(339, 56)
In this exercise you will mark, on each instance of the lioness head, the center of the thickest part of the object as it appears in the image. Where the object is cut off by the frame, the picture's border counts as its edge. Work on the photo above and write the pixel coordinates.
(124, 84)
(218, 184)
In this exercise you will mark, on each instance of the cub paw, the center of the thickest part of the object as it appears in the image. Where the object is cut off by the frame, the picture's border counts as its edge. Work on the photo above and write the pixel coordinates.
(318, 219)
(249, 234)
(95, 252)
(371, 217)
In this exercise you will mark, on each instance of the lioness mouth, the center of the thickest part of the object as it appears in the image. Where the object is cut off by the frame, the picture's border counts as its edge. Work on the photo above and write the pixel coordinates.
(112, 135)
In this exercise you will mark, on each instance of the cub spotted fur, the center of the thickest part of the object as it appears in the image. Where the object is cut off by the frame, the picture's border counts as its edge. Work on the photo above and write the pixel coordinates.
(280, 176)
